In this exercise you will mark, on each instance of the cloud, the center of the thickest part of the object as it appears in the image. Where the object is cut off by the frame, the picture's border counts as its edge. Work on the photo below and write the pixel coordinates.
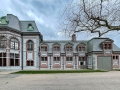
(46, 13)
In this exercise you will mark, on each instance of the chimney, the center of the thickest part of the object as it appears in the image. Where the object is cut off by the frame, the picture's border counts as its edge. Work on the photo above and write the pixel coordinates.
(74, 37)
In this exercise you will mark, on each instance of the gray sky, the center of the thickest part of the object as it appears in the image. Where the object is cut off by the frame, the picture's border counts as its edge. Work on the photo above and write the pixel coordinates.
(47, 15)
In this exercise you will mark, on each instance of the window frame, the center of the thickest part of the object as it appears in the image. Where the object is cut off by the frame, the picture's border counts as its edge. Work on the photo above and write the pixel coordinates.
(44, 48)
(69, 58)
(31, 43)
(3, 42)
(68, 48)
(14, 44)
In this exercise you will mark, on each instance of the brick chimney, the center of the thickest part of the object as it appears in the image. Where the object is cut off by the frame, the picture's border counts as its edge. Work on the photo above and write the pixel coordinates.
(74, 37)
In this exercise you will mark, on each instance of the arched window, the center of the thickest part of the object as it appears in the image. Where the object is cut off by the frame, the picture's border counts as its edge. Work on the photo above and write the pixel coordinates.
(30, 27)
(30, 45)
(3, 20)
(3, 42)
(14, 43)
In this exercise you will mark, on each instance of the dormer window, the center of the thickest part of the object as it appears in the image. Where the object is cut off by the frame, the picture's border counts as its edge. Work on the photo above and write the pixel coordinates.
(56, 48)
(107, 46)
(3, 20)
(81, 47)
(30, 27)
(43, 48)
(69, 48)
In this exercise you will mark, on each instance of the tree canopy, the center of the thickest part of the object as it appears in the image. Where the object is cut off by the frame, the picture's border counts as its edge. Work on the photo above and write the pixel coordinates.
(93, 16)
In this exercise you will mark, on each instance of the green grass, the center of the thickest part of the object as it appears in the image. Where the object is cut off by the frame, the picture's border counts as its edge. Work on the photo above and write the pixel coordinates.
(116, 69)
(56, 71)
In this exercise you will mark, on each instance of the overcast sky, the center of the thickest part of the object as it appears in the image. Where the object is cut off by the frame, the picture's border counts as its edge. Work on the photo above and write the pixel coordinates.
(46, 13)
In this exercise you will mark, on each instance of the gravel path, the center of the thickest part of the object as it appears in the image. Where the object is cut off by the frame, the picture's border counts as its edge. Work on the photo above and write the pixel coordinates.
(77, 81)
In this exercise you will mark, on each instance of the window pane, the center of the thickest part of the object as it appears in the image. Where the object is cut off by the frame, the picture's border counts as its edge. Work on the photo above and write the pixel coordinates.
(4, 54)
(30, 45)
(11, 55)
(16, 45)
(0, 54)
(32, 63)
(16, 62)
(116, 57)
(70, 48)
(16, 55)
(12, 45)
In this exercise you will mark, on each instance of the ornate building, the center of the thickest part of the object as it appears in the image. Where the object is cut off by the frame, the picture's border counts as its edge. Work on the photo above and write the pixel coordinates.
(22, 47)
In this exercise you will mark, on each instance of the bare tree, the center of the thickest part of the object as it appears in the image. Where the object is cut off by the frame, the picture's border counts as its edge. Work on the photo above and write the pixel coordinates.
(95, 16)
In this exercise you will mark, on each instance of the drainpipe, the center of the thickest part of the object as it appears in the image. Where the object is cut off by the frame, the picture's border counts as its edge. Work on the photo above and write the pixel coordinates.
(50, 62)
(75, 62)
(63, 62)
(39, 60)
(22, 52)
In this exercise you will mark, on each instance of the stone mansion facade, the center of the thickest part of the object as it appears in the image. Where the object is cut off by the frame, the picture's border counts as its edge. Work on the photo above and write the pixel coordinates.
(22, 47)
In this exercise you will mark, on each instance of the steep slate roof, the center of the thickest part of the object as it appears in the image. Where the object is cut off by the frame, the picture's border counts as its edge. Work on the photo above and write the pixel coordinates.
(24, 25)
(63, 43)
(18, 25)
(13, 22)
(94, 45)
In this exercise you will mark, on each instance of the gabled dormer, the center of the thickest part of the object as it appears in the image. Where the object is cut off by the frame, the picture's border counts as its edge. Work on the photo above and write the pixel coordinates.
(68, 47)
(43, 47)
(56, 47)
(107, 44)
(81, 47)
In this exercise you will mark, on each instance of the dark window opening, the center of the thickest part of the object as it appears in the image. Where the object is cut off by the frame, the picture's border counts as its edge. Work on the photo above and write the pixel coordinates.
(12, 55)
(30, 63)
(16, 62)
(56, 58)
(68, 58)
(4, 61)
(116, 57)
(11, 62)
(0, 61)
(16, 55)
(81, 63)
(4, 54)
(0, 54)
(43, 58)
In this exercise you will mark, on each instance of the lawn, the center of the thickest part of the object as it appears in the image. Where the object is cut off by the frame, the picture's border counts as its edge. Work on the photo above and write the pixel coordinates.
(55, 71)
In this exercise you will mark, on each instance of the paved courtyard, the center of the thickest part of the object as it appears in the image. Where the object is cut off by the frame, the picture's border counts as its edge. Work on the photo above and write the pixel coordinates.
(77, 81)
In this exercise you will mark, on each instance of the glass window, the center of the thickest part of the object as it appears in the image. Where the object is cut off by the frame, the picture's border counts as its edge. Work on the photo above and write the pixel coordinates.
(3, 42)
(44, 58)
(68, 58)
(116, 57)
(4, 20)
(56, 58)
(69, 48)
(16, 55)
(30, 27)
(14, 43)
(30, 45)
(43, 48)
(11, 55)
(56, 48)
